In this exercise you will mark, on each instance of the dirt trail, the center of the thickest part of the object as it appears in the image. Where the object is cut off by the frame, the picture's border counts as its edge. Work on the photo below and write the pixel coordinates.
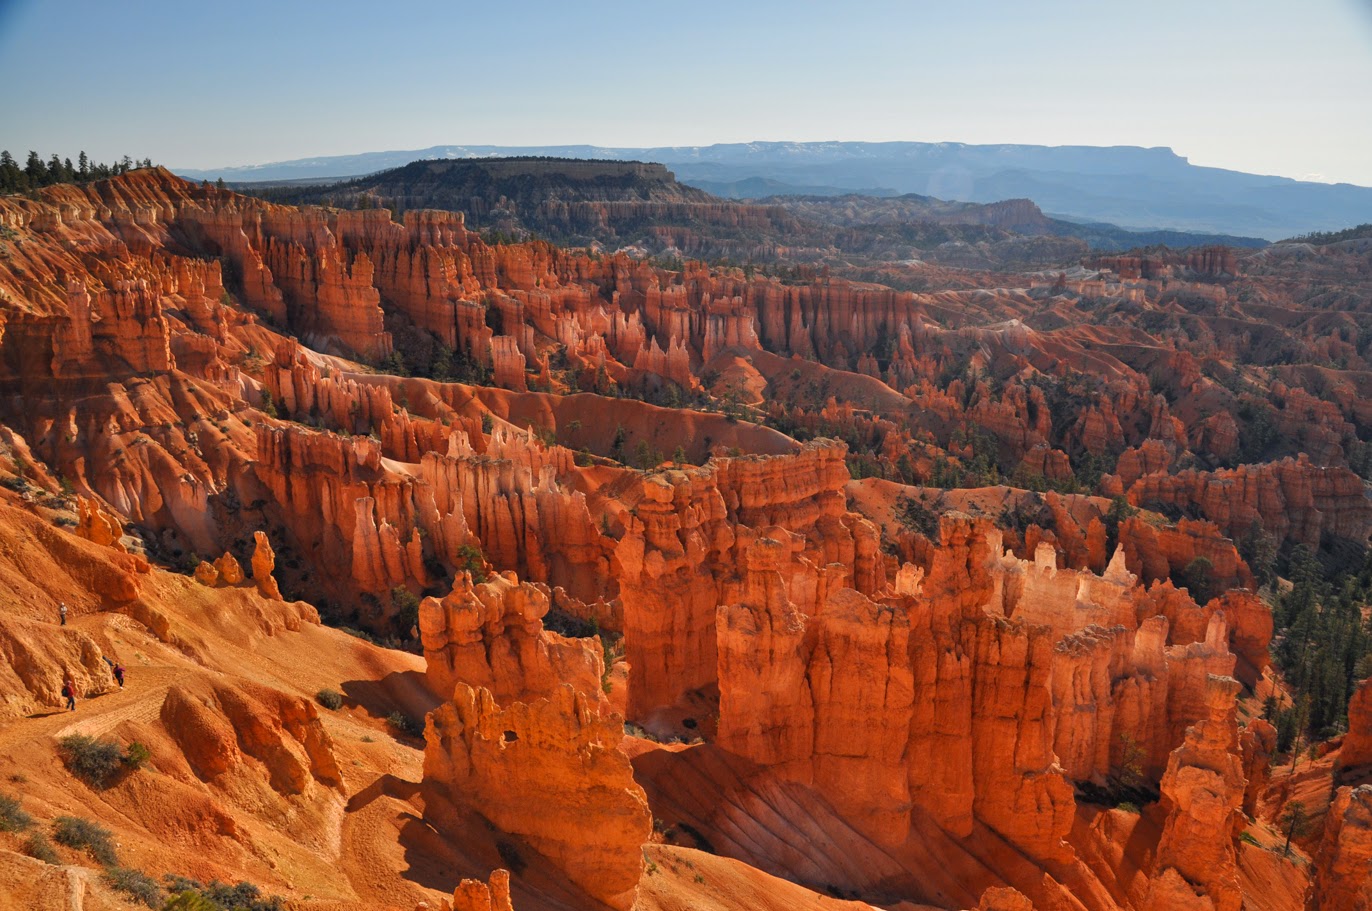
(233, 825)
(139, 700)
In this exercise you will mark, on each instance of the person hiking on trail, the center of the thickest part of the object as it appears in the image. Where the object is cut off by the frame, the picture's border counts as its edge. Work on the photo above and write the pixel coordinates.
(115, 668)
(62, 611)
(69, 691)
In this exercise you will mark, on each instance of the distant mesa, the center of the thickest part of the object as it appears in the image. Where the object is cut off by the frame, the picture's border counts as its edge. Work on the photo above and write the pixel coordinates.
(619, 204)
(1148, 188)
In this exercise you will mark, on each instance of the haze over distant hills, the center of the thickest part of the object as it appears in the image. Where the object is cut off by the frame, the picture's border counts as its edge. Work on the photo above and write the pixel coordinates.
(1124, 185)
(618, 203)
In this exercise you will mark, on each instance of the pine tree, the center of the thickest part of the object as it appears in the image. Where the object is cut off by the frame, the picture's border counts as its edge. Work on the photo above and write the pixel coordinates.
(35, 170)
(1199, 579)
(54, 169)
(1259, 551)
(1296, 822)
(83, 167)
(12, 177)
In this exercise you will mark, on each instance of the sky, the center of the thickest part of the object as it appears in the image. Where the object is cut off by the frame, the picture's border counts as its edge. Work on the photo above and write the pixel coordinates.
(1266, 86)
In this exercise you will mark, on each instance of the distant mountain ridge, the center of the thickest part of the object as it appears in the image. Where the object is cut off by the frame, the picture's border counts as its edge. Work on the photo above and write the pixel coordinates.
(1021, 216)
(574, 201)
(616, 204)
(1129, 186)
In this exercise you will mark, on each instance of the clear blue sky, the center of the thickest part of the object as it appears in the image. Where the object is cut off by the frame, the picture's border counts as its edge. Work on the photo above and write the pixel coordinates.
(1270, 86)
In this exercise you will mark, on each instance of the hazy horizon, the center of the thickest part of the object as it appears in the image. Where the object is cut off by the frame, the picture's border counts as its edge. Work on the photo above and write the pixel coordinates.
(1251, 87)
(703, 145)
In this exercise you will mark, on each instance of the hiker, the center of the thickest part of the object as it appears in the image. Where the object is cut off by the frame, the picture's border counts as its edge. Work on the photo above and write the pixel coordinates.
(119, 674)
(69, 691)
(62, 611)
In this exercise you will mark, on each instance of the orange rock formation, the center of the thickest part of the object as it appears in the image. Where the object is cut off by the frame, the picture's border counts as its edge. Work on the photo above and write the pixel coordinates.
(1341, 880)
(491, 635)
(853, 696)
(549, 772)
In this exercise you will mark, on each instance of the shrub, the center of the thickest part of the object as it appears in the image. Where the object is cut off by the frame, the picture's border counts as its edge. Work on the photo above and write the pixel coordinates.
(137, 755)
(191, 895)
(1198, 578)
(37, 846)
(189, 901)
(1127, 807)
(564, 624)
(241, 897)
(96, 762)
(99, 762)
(330, 699)
(404, 724)
(136, 884)
(917, 517)
(75, 832)
(470, 559)
(406, 605)
(12, 816)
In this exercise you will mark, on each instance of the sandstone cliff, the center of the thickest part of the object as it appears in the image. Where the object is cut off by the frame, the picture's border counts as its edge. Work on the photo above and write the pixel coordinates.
(548, 772)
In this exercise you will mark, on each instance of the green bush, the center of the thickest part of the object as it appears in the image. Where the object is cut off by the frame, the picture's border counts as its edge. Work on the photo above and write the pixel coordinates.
(1198, 578)
(191, 895)
(917, 517)
(189, 901)
(37, 846)
(406, 725)
(12, 816)
(98, 841)
(136, 884)
(330, 699)
(406, 606)
(96, 762)
(137, 755)
(99, 762)
(1128, 807)
(470, 559)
